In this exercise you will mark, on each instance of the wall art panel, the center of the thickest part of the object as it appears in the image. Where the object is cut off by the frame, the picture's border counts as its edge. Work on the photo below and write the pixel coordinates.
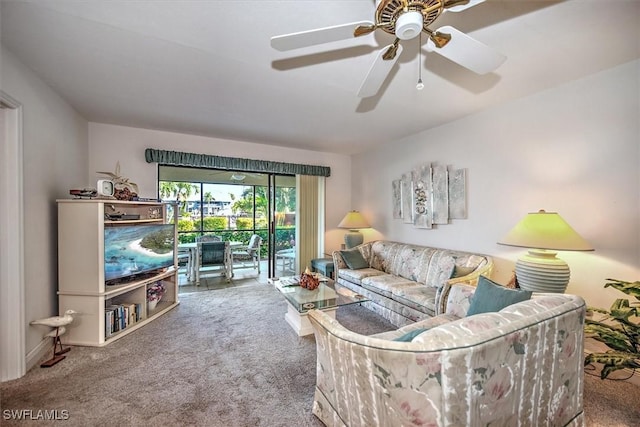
(396, 186)
(406, 194)
(422, 205)
(440, 198)
(458, 194)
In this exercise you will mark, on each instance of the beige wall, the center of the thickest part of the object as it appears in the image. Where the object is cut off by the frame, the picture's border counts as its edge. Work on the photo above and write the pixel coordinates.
(574, 149)
(109, 144)
(55, 157)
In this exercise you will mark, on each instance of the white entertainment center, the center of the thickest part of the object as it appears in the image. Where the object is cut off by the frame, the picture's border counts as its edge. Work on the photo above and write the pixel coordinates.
(83, 282)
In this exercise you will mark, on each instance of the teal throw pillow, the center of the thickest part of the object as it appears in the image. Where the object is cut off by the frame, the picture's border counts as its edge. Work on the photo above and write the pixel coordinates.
(354, 259)
(490, 297)
(409, 336)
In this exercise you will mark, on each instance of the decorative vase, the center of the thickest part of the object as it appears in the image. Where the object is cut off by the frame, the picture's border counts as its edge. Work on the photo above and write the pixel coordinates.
(151, 305)
(308, 280)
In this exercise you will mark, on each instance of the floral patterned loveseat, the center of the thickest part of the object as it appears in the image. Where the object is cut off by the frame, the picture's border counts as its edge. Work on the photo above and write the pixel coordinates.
(521, 366)
(406, 283)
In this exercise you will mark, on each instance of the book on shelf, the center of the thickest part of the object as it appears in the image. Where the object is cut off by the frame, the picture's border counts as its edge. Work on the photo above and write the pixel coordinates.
(121, 316)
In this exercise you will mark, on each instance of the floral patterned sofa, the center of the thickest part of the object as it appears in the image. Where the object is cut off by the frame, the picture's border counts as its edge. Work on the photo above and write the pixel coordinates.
(521, 366)
(406, 283)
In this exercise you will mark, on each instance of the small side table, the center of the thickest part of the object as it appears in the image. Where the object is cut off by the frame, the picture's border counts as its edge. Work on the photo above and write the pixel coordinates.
(323, 265)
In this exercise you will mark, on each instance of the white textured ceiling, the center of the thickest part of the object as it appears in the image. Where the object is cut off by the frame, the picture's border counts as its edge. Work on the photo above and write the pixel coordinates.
(206, 67)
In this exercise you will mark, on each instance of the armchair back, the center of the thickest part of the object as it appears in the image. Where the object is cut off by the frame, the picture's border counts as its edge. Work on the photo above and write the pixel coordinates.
(522, 366)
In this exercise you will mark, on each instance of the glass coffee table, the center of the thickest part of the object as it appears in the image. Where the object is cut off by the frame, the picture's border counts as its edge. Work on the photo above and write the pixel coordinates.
(300, 300)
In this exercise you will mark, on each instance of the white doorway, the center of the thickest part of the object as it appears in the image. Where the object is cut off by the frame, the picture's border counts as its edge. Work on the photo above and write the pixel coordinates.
(12, 308)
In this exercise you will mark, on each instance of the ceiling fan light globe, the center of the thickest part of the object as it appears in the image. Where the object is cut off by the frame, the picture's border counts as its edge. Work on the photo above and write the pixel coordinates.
(409, 25)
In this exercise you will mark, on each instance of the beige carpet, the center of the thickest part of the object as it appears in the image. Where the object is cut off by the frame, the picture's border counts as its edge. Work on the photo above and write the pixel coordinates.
(222, 358)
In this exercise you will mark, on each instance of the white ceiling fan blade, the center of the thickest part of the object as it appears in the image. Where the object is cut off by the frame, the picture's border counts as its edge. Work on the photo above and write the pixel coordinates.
(467, 51)
(317, 36)
(378, 73)
(462, 6)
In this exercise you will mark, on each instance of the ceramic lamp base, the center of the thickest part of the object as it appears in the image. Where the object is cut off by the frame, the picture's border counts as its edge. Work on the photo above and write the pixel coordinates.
(353, 238)
(542, 271)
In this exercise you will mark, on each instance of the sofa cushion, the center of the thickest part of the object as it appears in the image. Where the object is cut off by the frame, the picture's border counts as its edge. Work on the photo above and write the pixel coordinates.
(383, 254)
(384, 284)
(354, 259)
(356, 276)
(440, 269)
(423, 325)
(411, 262)
(491, 297)
(421, 298)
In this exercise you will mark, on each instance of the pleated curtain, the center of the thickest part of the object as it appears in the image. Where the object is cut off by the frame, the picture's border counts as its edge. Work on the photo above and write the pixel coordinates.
(310, 215)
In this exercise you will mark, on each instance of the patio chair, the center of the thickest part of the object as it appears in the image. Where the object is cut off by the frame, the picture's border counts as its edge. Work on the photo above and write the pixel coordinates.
(214, 257)
(285, 259)
(208, 238)
(243, 255)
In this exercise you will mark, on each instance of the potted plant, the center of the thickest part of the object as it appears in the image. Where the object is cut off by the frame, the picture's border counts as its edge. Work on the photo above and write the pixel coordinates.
(618, 328)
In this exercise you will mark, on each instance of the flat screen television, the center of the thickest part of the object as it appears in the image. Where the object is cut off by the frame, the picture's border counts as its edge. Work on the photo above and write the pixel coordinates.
(135, 249)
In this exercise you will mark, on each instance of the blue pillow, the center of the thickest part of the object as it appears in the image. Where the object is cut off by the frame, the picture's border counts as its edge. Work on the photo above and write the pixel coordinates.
(354, 259)
(490, 297)
(409, 336)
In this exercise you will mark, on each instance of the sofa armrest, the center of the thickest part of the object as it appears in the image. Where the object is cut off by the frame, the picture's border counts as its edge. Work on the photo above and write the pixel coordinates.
(470, 279)
(338, 263)
(456, 299)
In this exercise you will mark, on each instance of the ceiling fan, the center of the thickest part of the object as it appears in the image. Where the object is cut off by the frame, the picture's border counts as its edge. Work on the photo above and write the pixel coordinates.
(405, 19)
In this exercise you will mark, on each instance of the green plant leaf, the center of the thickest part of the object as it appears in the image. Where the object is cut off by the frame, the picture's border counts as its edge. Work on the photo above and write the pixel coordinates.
(620, 309)
(613, 337)
(629, 288)
(617, 330)
(613, 361)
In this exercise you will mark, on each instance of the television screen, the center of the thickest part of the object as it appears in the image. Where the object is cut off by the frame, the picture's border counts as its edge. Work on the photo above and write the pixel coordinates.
(131, 250)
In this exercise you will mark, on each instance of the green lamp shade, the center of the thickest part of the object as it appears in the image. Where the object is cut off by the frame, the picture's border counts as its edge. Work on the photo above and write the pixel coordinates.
(353, 221)
(540, 270)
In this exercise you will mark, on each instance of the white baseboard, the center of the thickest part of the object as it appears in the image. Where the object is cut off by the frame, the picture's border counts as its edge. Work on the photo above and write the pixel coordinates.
(34, 356)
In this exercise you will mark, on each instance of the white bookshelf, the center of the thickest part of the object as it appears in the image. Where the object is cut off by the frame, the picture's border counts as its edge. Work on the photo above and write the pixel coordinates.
(81, 268)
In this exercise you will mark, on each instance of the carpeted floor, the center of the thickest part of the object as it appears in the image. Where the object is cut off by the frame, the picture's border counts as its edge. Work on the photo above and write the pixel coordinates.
(221, 358)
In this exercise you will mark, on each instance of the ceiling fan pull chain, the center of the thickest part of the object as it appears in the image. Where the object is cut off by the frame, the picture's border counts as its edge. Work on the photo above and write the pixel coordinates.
(420, 85)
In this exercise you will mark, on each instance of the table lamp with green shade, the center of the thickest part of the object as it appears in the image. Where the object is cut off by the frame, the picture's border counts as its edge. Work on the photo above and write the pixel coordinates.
(353, 220)
(544, 232)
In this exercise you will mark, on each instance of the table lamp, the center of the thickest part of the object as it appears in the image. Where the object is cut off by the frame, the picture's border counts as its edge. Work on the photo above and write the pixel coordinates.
(545, 232)
(353, 220)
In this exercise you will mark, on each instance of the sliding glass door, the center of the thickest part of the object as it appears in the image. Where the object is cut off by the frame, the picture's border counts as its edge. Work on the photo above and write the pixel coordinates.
(234, 205)
(282, 225)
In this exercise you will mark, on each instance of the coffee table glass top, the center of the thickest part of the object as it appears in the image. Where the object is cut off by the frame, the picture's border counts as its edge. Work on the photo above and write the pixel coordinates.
(323, 297)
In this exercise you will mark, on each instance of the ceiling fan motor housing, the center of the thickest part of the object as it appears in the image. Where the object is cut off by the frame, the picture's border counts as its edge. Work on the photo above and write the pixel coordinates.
(406, 18)
(408, 25)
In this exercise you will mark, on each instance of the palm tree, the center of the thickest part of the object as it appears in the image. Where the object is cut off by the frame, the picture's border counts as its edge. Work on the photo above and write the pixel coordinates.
(208, 198)
(180, 191)
(184, 191)
(168, 190)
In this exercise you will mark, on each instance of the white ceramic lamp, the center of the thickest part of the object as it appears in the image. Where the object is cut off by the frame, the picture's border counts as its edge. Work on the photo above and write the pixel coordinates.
(353, 221)
(540, 270)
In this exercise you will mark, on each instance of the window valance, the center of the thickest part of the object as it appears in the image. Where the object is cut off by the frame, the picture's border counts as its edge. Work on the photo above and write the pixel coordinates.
(178, 158)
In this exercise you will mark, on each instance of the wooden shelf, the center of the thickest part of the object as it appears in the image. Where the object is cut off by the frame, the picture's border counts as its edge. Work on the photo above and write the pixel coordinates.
(132, 221)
